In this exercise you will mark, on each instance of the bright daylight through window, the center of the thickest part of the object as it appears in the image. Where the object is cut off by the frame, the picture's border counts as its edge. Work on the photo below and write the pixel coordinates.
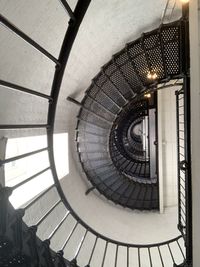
(20, 170)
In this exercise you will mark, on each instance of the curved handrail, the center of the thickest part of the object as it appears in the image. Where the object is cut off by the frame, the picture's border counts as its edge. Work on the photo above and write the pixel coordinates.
(61, 63)
(69, 38)
(64, 54)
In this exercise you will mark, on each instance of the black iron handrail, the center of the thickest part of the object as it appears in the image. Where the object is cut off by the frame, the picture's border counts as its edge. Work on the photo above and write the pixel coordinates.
(98, 236)
(74, 23)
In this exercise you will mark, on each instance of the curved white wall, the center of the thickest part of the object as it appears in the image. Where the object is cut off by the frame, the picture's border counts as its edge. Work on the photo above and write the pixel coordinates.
(114, 221)
(106, 28)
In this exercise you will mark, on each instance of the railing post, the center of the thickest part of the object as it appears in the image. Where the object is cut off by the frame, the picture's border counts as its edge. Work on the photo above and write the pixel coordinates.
(188, 182)
(187, 132)
(187, 138)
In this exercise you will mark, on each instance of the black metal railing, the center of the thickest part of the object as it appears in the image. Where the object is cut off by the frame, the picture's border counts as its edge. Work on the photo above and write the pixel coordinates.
(181, 161)
(184, 168)
(161, 254)
(18, 243)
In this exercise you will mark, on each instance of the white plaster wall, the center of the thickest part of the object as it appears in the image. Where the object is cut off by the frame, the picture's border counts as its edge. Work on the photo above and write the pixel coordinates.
(106, 28)
(167, 146)
(112, 220)
(45, 22)
(108, 25)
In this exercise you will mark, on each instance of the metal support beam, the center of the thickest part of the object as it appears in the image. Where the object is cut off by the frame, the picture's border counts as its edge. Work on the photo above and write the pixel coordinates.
(48, 212)
(89, 190)
(72, 100)
(26, 38)
(68, 9)
(30, 178)
(2, 162)
(23, 126)
(23, 89)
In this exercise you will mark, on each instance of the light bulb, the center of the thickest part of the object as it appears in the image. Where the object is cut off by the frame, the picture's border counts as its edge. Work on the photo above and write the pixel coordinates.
(184, 1)
(149, 76)
(152, 76)
(147, 95)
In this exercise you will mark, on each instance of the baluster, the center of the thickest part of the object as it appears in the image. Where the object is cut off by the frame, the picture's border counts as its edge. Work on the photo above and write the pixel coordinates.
(2, 162)
(161, 259)
(23, 89)
(69, 236)
(150, 259)
(104, 255)
(127, 256)
(116, 255)
(23, 126)
(139, 260)
(26, 38)
(171, 253)
(30, 178)
(81, 244)
(48, 212)
(59, 225)
(93, 249)
(180, 249)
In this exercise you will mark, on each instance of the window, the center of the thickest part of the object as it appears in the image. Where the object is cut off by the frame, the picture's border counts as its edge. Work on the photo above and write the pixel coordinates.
(20, 170)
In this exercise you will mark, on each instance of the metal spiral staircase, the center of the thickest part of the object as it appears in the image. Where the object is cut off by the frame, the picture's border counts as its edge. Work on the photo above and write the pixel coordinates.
(120, 173)
(113, 103)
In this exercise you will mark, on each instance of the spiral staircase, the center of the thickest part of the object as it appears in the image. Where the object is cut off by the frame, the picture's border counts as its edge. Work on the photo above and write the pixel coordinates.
(111, 153)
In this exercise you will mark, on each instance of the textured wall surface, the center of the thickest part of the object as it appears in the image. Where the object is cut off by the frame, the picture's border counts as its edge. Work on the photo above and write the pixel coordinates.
(107, 27)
